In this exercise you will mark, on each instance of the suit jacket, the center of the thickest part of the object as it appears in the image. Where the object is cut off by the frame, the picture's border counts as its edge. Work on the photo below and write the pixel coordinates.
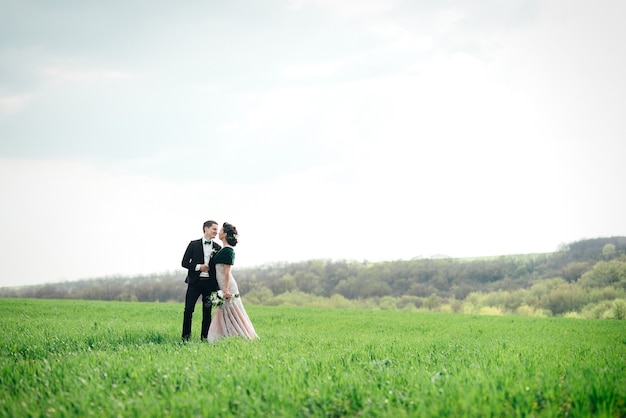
(194, 254)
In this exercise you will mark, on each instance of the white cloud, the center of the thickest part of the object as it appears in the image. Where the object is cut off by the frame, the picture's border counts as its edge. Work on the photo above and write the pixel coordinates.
(401, 39)
(346, 9)
(319, 70)
(65, 75)
(14, 103)
(445, 21)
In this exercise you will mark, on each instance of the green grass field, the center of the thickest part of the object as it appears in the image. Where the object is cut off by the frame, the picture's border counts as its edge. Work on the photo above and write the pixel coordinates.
(79, 358)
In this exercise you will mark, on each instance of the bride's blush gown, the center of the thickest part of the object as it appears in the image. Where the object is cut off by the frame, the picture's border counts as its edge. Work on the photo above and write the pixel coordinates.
(231, 318)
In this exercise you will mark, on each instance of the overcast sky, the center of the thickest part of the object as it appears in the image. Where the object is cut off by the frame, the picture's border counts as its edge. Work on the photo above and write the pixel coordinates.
(335, 129)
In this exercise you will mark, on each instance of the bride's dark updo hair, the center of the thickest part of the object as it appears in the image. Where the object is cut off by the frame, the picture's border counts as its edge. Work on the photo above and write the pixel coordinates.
(231, 233)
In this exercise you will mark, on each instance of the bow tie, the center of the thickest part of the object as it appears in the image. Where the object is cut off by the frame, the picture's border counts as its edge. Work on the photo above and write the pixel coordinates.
(207, 242)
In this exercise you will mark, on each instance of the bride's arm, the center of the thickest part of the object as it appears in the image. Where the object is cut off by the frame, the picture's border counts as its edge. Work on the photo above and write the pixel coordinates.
(227, 280)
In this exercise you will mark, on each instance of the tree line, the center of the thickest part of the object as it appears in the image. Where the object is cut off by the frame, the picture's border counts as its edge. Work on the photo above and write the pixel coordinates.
(585, 278)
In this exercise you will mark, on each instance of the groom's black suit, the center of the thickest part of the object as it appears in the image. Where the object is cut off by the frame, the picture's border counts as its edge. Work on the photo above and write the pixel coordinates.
(198, 286)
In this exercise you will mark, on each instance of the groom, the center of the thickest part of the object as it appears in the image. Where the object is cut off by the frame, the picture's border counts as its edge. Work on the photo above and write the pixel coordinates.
(201, 280)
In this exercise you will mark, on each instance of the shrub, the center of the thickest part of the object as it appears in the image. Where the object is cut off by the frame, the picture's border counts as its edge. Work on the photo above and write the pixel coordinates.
(432, 302)
(619, 309)
(338, 301)
(258, 296)
(387, 303)
(596, 310)
(490, 310)
(566, 297)
(409, 302)
(606, 273)
(525, 310)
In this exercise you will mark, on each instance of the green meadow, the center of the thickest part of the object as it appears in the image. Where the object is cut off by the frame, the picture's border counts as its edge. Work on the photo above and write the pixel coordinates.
(87, 358)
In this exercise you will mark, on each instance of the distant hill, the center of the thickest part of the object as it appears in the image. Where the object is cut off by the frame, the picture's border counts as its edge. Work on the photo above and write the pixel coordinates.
(585, 272)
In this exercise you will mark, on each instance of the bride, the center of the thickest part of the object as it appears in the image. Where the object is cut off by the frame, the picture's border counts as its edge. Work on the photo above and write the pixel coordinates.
(231, 317)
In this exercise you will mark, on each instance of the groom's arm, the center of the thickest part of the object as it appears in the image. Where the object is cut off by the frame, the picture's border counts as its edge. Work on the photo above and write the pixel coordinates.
(188, 258)
(192, 263)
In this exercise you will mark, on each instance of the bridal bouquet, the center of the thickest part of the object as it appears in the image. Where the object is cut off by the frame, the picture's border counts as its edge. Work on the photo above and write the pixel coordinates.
(217, 299)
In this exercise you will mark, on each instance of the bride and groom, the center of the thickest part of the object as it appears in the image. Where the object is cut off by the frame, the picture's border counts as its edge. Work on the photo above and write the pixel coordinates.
(209, 270)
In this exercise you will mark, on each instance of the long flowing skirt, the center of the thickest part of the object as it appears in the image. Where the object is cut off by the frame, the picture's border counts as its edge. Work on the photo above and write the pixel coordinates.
(230, 319)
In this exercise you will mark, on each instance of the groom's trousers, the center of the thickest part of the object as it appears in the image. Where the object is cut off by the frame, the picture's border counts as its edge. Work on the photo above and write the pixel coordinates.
(194, 291)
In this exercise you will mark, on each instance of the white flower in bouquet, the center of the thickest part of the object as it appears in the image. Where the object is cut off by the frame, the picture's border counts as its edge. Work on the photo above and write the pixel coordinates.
(217, 299)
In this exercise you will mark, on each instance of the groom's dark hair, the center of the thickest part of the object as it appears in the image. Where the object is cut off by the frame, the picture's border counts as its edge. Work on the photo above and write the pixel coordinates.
(208, 224)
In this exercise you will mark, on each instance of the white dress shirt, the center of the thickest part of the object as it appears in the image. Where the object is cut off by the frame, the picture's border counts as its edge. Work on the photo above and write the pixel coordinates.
(207, 248)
